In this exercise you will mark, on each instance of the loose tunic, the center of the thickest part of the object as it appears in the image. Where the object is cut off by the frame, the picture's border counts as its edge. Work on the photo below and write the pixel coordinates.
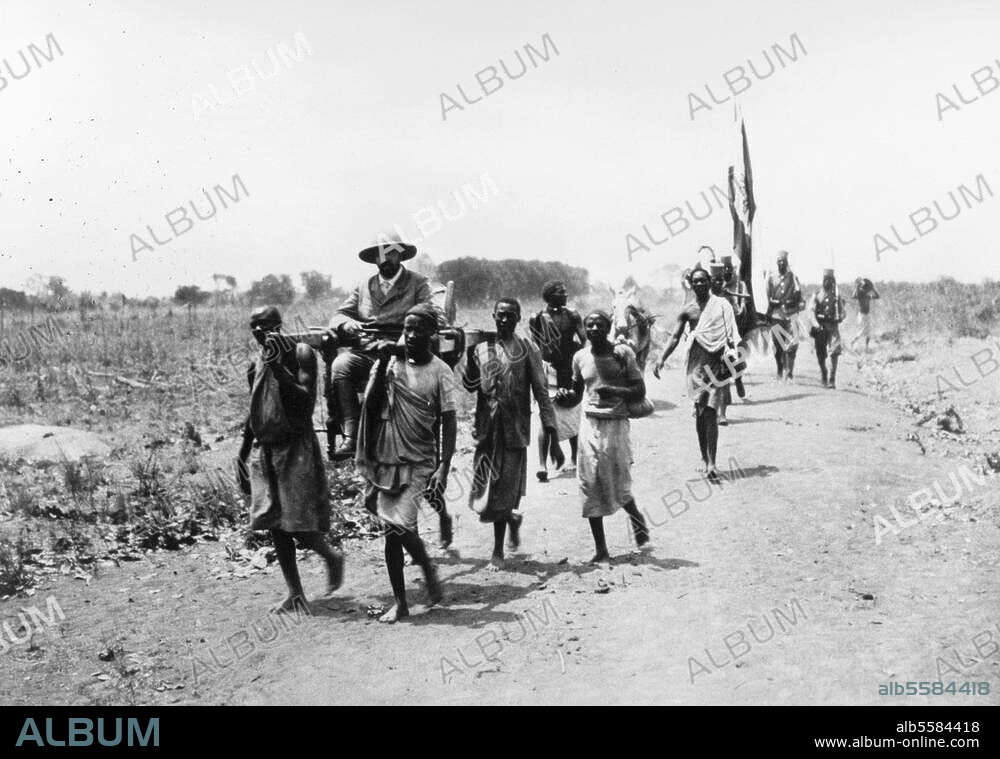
(604, 449)
(397, 445)
(508, 377)
(288, 487)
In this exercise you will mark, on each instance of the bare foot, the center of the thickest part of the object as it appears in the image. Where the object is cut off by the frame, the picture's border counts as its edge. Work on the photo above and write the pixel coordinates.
(291, 604)
(642, 538)
(601, 558)
(335, 572)
(558, 459)
(713, 476)
(496, 563)
(396, 613)
(434, 593)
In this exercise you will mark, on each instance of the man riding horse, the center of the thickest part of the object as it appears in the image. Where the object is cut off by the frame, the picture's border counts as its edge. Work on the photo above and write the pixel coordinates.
(383, 299)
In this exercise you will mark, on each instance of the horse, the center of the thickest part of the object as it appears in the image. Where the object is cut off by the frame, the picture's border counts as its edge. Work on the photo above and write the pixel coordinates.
(630, 324)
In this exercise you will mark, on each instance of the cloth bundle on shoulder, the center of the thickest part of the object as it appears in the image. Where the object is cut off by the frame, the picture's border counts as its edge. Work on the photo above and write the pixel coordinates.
(636, 409)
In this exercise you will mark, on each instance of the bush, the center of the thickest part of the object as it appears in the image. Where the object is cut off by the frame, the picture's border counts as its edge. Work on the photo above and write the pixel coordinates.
(14, 576)
(272, 290)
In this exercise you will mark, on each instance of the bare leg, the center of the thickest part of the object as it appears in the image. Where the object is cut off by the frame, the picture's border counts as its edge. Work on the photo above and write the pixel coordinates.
(415, 547)
(514, 522)
(639, 528)
(699, 425)
(499, 533)
(790, 362)
(711, 423)
(555, 450)
(436, 500)
(543, 454)
(833, 370)
(284, 545)
(334, 558)
(600, 544)
(741, 369)
(394, 565)
(572, 448)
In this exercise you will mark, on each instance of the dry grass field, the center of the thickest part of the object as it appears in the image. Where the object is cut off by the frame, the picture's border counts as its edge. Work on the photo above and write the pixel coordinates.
(166, 389)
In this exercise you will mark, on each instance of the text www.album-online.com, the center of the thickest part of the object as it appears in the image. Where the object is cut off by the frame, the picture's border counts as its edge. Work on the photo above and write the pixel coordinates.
(921, 742)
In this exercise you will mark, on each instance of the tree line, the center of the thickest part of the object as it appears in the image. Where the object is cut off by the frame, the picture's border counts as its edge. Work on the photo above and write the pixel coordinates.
(477, 281)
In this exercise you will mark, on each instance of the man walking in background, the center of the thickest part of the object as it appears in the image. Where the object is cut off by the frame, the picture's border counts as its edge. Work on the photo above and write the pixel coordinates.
(784, 301)
(827, 312)
(737, 295)
(717, 283)
(864, 293)
(713, 328)
(558, 332)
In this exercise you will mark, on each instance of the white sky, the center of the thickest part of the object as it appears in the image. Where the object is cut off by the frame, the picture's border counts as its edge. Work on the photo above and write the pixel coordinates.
(582, 149)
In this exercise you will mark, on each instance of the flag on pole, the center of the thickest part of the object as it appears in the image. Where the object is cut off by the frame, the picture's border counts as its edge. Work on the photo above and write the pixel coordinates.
(743, 208)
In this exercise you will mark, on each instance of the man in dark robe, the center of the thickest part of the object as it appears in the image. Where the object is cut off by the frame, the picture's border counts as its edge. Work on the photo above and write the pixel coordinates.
(504, 374)
(558, 333)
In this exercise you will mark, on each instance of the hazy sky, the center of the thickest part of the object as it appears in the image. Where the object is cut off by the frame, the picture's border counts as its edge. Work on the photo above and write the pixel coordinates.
(582, 149)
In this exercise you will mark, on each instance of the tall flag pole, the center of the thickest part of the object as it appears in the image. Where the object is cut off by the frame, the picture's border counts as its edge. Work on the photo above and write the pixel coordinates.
(743, 208)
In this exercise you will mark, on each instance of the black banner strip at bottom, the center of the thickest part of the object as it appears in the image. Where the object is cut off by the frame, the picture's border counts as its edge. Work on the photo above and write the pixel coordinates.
(791, 729)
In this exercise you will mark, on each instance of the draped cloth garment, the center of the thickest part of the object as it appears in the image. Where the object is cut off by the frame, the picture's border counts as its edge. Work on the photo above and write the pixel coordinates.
(397, 445)
(288, 487)
(715, 331)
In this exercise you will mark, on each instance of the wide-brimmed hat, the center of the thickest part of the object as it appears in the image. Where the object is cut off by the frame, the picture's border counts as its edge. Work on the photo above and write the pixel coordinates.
(371, 254)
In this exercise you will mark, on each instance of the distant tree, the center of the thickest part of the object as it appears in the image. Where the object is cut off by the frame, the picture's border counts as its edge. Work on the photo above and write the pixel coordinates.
(274, 289)
(315, 284)
(117, 301)
(59, 291)
(190, 296)
(87, 301)
(229, 294)
(36, 287)
(13, 299)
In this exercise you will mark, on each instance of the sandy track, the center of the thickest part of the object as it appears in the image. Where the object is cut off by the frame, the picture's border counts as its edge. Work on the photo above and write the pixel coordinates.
(791, 531)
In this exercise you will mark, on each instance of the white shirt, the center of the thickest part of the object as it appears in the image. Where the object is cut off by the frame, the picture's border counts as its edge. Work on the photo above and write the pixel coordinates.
(387, 284)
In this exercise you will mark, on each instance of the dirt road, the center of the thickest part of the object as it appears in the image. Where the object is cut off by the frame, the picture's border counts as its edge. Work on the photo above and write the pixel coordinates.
(769, 589)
